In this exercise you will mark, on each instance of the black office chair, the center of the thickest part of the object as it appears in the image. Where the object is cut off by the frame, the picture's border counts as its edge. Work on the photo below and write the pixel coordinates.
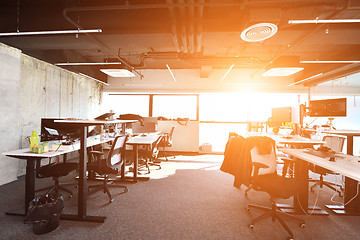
(56, 171)
(148, 156)
(167, 142)
(334, 143)
(109, 164)
(264, 177)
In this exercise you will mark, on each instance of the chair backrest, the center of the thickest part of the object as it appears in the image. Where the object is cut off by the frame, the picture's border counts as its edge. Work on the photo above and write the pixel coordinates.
(155, 148)
(268, 159)
(263, 151)
(116, 154)
(335, 143)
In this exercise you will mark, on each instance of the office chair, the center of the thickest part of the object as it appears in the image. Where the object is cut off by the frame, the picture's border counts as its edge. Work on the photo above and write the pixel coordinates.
(56, 171)
(335, 143)
(109, 164)
(264, 177)
(148, 156)
(167, 142)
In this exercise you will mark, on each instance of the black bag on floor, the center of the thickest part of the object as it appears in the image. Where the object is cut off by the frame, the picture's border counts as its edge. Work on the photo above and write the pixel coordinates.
(44, 212)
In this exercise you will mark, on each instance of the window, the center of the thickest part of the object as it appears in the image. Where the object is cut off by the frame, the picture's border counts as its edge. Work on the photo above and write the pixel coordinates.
(175, 106)
(123, 104)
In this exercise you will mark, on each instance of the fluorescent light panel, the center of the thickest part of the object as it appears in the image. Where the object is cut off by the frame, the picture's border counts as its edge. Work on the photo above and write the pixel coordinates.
(171, 72)
(227, 72)
(282, 72)
(49, 32)
(93, 78)
(118, 72)
(316, 61)
(295, 83)
(84, 64)
(324, 21)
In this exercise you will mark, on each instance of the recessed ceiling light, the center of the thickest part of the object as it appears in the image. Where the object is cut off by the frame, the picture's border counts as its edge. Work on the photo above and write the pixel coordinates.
(282, 72)
(118, 72)
(259, 32)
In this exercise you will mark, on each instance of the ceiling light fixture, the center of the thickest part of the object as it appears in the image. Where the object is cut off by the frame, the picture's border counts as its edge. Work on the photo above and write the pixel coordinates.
(259, 32)
(171, 72)
(118, 72)
(316, 21)
(84, 75)
(49, 32)
(282, 71)
(283, 66)
(84, 63)
(295, 83)
(316, 61)
(227, 72)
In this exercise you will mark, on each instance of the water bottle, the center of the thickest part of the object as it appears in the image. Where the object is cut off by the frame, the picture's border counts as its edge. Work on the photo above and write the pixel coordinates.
(34, 142)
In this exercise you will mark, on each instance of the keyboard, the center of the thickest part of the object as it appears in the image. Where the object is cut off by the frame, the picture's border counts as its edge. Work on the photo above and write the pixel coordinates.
(322, 154)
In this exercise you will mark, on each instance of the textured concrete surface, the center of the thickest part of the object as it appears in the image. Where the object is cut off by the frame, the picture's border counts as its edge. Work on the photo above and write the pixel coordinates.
(31, 89)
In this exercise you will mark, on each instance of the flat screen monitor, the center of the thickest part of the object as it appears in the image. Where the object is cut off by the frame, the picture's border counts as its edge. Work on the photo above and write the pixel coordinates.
(51, 131)
(281, 114)
(328, 108)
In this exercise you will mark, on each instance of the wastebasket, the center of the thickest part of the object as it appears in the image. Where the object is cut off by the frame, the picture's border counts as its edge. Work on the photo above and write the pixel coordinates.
(44, 212)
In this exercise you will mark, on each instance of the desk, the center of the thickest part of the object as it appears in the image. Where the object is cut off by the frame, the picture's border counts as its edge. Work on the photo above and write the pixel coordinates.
(349, 137)
(350, 184)
(296, 141)
(347, 165)
(141, 140)
(31, 158)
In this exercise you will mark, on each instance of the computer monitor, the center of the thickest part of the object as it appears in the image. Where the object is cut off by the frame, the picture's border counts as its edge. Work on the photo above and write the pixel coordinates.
(51, 131)
(281, 114)
(328, 108)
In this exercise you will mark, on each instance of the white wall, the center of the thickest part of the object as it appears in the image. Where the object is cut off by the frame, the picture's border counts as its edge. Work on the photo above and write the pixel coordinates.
(31, 89)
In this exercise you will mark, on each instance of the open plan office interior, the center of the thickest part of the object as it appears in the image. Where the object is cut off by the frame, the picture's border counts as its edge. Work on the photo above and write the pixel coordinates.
(180, 119)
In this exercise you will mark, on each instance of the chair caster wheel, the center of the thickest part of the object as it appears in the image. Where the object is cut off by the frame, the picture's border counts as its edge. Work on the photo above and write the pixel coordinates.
(251, 226)
(302, 225)
(248, 209)
(70, 196)
(290, 238)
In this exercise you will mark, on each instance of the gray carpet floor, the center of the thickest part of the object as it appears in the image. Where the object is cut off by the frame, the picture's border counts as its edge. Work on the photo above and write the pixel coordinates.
(189, 198)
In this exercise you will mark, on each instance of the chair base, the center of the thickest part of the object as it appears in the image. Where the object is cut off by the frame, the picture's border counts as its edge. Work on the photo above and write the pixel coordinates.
(330, 185)
(275, 213)
(56, 187)
(105, 187)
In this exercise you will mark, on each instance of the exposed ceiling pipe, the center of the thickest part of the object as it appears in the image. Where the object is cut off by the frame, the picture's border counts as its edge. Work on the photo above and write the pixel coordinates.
(303, 38)
(174, 31)
(103, 46)
(182, 24)
(198, 27)
(191, 27)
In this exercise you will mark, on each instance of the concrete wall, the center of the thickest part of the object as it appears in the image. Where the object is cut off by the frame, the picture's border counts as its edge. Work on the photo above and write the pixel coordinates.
(31, 89)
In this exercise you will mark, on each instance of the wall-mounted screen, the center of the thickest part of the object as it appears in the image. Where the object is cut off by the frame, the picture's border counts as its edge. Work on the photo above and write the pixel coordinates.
(328, 108)
(281, 114)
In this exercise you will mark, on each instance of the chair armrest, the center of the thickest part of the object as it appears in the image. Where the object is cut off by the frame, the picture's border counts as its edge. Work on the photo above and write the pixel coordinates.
(96, 153)
(257, 167)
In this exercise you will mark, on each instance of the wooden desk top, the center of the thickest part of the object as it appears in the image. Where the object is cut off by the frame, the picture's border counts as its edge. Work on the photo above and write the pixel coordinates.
(93, 122)
(25, 152)
(346, 165)
(146, 139)
(346, 132)
(296, 140)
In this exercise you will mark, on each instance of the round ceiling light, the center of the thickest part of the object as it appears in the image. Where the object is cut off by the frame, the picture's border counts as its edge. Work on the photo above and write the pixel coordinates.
(259, 32)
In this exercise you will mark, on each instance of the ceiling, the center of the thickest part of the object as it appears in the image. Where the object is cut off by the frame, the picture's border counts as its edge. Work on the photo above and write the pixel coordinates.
(188, 34)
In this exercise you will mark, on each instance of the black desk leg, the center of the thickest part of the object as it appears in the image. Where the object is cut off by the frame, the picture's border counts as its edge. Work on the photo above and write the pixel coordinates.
(301, 200)
(29, 188)
(136, 159)
(350, 144)
(82, 216)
